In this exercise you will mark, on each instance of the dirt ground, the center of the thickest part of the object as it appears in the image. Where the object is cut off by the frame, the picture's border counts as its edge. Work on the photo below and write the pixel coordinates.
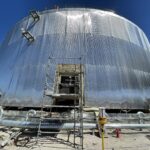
(129, 140)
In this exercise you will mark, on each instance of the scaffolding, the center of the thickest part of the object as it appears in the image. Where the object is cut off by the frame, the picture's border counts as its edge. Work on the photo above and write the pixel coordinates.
(68, 93)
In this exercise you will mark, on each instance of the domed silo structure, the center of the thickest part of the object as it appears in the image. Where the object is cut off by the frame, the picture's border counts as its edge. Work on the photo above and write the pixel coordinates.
(115, 54)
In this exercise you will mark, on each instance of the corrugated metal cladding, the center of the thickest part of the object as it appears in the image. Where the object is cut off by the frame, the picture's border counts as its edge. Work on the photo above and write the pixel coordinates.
(114, 51)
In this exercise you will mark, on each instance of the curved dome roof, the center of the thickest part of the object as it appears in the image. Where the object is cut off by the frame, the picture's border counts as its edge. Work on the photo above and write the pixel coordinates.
(114, 51)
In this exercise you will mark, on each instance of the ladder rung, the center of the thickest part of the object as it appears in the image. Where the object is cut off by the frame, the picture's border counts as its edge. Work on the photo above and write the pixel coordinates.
(66, 119)
(68, 85)
(60, 106)
(44, 132)
(61, 95)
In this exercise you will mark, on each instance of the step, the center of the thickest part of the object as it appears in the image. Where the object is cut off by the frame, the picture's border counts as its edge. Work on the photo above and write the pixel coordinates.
(60, 106)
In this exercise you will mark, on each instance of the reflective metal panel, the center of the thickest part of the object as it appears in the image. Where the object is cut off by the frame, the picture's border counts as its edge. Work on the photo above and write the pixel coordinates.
(114, 51)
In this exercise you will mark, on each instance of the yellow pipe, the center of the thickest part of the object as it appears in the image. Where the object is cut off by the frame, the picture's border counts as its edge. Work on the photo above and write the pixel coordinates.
(102, 122)
(103, 138)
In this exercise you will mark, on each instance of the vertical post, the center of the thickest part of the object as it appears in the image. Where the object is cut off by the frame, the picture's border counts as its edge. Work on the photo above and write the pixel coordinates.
(74, 128)
(102, 122)
(103, 147)
(75, 112)
(81, 105)
(140, 116)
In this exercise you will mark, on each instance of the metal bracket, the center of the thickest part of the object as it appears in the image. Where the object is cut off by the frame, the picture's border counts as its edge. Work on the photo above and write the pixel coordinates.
(27, 35)
(34, 14)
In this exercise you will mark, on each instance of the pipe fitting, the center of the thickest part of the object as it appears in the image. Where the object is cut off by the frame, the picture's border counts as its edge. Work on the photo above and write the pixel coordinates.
(30, 113)
(140, 114)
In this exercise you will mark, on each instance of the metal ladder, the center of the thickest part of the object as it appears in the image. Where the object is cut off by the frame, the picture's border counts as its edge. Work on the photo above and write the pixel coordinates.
(74, 107)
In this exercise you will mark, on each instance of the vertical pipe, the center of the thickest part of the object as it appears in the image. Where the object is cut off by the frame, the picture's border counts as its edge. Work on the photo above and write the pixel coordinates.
(74, 123)
(81, 104)
(103, 147)
(102, 122)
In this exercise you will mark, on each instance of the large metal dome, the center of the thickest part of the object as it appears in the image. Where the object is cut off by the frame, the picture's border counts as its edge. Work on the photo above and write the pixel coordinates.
(114, 51)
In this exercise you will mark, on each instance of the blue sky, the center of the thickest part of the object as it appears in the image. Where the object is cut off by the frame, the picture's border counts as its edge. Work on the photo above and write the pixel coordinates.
(11, 11)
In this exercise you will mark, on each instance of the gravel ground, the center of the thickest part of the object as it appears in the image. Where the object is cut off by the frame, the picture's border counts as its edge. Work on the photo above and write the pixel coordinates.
(129, 140)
